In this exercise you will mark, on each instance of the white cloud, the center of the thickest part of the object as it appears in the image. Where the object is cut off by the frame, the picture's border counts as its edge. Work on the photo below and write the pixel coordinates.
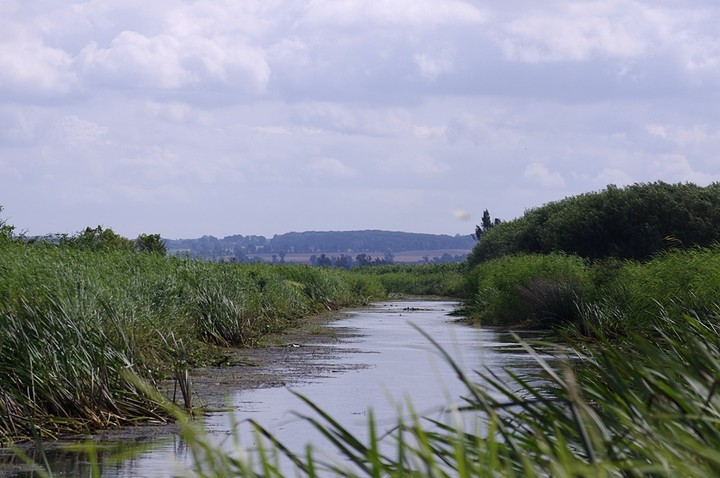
(583, 30)
(144, 194)
(169, 62)
(685, 135)
(177, 112)
(429, 132)
(331, 167)
(274, 130)
(29, 66)
(16, 126)
(79, 132)
(677, 168)
(685, 38)
(614, 176)
(539, 174)
(433, 66)
(416, 164)
(418, 13)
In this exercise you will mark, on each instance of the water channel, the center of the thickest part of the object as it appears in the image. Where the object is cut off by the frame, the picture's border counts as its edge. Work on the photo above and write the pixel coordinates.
(384, 367)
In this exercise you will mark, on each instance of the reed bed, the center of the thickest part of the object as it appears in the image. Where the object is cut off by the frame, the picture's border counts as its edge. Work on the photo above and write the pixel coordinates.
(608, 297)
(74, 322)
(446, 280)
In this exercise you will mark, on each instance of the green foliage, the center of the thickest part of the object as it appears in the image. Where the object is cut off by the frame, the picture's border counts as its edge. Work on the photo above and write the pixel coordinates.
(74, 320)
(531, 290)
(630, 223)
(609, 298)
(150, 243)
(6, 230)
(418, 279)
(636, 294)
(98, 239)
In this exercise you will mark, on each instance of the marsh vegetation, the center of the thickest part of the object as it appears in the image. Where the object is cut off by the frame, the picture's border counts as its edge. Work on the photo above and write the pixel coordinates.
(629, 279)
(77, 322)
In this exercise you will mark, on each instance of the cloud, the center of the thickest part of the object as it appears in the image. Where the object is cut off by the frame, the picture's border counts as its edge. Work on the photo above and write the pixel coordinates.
(638, 37)
(350, 119)
(177, 112)
(416, 13)
(273, 130)
(144, 194)
(429, 132)
(614, 176)
(433, 66)
(331, 167)
(169, 62)
(32, 68)
(79, 132)
(588, 29)
(677, 168)
(685, 135)
(416, 164)
(539, 174)
(16, 127)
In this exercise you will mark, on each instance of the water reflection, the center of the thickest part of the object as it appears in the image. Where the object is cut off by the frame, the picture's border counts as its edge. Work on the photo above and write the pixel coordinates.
(397, 366)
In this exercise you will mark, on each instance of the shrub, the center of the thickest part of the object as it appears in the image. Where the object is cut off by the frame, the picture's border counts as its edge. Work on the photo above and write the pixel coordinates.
(530, 290)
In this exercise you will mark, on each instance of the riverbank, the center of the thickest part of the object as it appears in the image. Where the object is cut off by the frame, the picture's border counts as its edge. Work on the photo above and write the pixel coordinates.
(297, 354)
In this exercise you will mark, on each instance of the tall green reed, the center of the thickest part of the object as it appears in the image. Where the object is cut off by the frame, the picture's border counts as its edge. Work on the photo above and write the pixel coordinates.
(73, 321)
(529, 290)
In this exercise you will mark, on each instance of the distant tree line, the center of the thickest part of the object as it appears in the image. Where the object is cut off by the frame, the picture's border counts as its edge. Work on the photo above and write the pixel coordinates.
(635, 222)
(336, 243)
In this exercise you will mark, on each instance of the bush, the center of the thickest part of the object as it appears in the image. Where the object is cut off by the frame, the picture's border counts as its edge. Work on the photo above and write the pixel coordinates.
(629, 223)
(529, 290)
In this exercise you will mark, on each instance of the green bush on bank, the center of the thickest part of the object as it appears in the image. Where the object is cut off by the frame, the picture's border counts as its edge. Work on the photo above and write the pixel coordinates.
(615, 296)
(529, 290)
(635, 222)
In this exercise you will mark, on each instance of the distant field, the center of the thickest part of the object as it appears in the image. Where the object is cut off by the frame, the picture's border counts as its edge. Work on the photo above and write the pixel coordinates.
(399, 257)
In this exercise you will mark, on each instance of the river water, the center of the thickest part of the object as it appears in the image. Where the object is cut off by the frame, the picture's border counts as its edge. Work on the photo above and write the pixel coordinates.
(389, 365)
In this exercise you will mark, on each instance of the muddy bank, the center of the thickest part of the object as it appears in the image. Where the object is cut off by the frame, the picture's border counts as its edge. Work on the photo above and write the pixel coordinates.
(304, 352)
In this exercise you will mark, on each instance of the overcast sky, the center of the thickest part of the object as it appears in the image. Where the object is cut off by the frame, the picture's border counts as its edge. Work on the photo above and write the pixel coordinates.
(223, 117)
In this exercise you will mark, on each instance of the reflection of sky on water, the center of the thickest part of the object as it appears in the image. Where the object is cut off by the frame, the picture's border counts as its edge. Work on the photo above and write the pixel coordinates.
(397, 369)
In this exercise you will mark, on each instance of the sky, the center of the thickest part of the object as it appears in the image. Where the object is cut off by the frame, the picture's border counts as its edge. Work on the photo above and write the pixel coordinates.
(222, 117)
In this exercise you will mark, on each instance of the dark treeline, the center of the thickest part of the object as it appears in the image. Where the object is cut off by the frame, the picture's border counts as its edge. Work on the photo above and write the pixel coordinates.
(634, 222)
(329, 242)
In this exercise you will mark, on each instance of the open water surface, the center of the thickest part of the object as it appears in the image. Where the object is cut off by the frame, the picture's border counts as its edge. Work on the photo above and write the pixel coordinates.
(388, 366)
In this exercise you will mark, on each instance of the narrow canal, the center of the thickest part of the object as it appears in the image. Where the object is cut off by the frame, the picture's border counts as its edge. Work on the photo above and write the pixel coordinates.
(386, 366)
